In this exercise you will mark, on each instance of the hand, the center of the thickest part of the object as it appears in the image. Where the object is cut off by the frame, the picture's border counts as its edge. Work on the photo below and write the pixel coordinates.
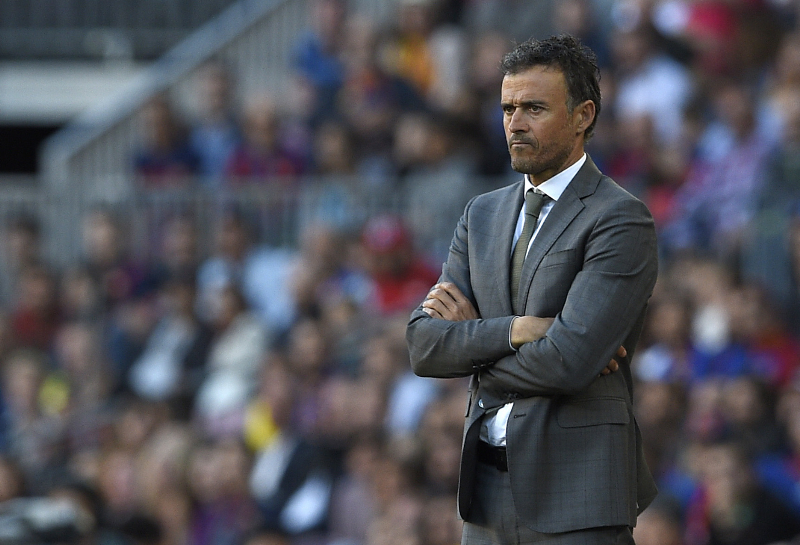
(526, 329)
(613, 365)
(446, 302)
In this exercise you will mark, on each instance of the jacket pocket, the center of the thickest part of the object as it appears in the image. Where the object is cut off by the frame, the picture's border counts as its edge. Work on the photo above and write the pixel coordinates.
(557, 258)
(593, 412)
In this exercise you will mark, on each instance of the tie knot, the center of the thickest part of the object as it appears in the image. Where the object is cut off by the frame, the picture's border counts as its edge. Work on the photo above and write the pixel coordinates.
(534, 200)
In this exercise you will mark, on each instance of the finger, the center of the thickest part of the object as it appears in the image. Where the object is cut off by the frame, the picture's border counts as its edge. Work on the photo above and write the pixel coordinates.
(621, 352)
(438, 307)
(433, 313)
(444, 297)
(605, 371)
(451, 290)
(464, 304)
(613, 366)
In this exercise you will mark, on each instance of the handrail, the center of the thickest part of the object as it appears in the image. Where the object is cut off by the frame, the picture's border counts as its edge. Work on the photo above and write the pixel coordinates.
(165, 73)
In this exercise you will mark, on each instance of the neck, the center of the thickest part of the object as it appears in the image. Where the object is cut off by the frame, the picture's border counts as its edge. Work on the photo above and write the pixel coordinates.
(574, 155)
(541, 177)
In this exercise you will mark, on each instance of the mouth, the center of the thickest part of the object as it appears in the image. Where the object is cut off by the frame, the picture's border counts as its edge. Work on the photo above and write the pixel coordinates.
(519, 143)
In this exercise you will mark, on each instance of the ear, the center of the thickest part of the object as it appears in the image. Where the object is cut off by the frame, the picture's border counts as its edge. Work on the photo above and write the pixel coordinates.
(583, 115)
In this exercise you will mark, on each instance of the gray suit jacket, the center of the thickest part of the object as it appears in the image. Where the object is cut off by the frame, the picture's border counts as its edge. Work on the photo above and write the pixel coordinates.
(574, 450)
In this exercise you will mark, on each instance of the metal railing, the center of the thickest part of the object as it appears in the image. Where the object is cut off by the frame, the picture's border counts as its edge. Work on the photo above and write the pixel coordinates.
(431, 207)
(254, 37)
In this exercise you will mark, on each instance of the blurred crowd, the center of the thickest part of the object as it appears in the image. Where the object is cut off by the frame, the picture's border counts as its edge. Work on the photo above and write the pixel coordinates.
(228, 392)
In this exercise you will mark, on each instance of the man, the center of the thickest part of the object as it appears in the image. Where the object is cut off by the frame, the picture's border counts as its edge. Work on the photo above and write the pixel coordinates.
(551, 452)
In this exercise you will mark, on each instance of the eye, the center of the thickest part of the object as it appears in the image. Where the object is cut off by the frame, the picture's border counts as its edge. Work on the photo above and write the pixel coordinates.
(508, 109)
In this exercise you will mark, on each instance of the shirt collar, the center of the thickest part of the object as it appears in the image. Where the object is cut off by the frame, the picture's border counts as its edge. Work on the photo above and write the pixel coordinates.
(556, 185)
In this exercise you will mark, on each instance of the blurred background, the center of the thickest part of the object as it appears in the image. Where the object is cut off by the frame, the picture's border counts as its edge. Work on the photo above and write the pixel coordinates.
(217, 215)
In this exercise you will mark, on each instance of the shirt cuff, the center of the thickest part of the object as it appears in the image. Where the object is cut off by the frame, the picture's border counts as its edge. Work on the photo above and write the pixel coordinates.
(509, 333)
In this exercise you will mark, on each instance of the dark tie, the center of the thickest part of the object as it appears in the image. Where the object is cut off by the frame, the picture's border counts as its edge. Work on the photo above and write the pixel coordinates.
(533, 205)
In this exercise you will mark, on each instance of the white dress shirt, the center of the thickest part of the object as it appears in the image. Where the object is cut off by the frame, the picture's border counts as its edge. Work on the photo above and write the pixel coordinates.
(493, 429)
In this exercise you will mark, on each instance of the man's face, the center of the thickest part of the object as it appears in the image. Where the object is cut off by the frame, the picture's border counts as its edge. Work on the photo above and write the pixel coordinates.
(543, 136)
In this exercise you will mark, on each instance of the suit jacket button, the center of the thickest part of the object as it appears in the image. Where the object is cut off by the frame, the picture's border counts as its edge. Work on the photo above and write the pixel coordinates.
(480, 403)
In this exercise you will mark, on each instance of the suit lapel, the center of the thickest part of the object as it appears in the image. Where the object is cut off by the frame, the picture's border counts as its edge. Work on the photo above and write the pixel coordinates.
(563, 212)
(505, 222)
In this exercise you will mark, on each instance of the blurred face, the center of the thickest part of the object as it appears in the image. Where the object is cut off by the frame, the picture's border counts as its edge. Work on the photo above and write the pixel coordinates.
(229, 308)
(10, 481)
(231, 239)
(669, 323)
(77, 349)
(742, 402)
(360, 43)
(22, 245)
(117, 481)
(204, 474)
(100, 238)
(543, 136)
(630, 49)
(791, 116)
(215, 88)
(412, 136)
(277, 389)
(37, 291)
(328, 16)
(261, 125)
(307, 348)
(157, 120)
(21, 381)
(572, 16)
(725, 476)
(180, 242)
(414, 18)
(333, 150)
(79, 293)
(788, 61)
(735, 106)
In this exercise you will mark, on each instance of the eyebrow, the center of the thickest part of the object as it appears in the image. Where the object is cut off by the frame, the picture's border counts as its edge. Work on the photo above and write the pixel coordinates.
(524, 103)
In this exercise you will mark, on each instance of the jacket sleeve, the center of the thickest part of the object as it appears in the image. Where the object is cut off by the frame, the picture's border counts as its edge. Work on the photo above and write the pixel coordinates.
(604, 308)
(448, 349)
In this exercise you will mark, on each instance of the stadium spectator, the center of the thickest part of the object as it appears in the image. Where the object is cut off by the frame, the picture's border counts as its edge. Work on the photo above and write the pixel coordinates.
(107, 258)
(35, 316)
(371, 99)
(223, 512)
(323, 435)
(261, 158)
(231, 367)
(216, 133)
(400, 274)
(718, 198)
(318, 55)
(430, 55)
(22, 248)
(261, 273)
(649, 83)
(173, 359)
(728, 489)
(165, 158)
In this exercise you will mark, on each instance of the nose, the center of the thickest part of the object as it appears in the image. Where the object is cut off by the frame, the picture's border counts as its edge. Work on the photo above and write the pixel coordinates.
(517, 121)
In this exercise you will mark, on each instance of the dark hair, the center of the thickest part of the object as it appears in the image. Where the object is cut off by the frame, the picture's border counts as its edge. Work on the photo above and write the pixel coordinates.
(577, 62)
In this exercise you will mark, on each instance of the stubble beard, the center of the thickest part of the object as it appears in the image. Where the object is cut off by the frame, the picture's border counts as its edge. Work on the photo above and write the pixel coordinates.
(552, 158)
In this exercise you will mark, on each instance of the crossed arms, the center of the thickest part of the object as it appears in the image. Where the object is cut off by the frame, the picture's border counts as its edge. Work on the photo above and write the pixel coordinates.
(563, 354)
(446, 302)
